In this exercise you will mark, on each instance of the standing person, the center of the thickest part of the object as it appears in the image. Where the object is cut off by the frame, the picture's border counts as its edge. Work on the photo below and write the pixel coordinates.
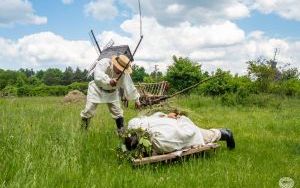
(105, 87)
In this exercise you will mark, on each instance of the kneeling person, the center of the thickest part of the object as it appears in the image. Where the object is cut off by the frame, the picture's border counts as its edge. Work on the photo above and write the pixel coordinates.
(171, 132)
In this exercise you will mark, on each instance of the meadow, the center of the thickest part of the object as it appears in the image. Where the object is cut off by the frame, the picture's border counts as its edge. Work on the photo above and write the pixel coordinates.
(42, 145)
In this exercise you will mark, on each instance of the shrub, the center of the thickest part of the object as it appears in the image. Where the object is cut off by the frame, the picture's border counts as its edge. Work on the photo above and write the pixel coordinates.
(83, 86)
(219, 85)
(44, 90)
(24, 91)
(183, 73)
(9, 91)
(288, 87)
(229, 99)
(261, 100)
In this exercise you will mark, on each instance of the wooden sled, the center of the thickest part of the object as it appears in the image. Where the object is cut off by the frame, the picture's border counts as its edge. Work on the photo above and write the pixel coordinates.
(176, 154)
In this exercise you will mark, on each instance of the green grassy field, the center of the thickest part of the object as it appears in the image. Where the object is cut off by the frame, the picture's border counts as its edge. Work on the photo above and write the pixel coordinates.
(41, 145)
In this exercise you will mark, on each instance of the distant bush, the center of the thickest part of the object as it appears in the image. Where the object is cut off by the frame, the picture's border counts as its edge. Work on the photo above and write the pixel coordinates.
(44, 90)
(219, 85)
(225, 83)
(288, 87)
(9, 91)
(183, 73)
(258, 100)
(83, 86)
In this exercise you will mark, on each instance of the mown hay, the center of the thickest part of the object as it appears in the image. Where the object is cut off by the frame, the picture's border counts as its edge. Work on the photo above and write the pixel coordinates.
(74, 97)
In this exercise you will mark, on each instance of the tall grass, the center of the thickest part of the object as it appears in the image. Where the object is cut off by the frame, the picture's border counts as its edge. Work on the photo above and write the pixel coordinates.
(41, 145)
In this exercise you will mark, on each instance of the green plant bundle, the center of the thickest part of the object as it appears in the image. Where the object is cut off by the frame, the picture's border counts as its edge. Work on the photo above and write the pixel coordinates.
(143, 149)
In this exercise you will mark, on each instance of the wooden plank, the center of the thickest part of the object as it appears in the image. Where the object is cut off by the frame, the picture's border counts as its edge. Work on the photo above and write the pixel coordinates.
(173, 155)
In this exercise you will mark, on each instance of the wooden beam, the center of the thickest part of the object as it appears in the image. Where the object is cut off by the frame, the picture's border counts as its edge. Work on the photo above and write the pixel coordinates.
(173, 155)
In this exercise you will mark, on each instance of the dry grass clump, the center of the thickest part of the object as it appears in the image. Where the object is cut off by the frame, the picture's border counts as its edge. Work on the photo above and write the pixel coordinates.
(74, 97)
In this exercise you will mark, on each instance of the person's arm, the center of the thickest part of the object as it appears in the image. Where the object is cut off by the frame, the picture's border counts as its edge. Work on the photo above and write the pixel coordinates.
(130, 91)
(100, 77)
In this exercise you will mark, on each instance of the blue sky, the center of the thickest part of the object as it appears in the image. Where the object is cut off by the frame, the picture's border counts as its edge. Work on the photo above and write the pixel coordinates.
(272, 24)
(257, 27)
(69, 21)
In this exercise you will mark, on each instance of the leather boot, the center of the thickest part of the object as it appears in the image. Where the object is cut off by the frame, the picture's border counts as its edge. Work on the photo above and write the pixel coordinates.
(120, 125)
(85, 123)
(227, 136)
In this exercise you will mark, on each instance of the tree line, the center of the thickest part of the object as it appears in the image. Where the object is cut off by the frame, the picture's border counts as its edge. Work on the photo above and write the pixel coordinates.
(53, 81)
(263, 76)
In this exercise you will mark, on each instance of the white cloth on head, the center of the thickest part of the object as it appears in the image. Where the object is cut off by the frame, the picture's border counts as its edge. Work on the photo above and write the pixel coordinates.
(168, 134)
(100, 90)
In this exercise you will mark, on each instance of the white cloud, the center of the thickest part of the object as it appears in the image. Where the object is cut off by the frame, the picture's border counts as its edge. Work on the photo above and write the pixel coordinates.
(222, 45)
(173, 12)
(18, 11)
(101, 9)
(219, 45)
(43, 50)
(236, 11)
(174, 8)
(288, 9)
(67, 2)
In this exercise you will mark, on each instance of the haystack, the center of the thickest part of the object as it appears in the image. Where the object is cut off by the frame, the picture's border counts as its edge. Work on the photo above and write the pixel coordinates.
(74, 97)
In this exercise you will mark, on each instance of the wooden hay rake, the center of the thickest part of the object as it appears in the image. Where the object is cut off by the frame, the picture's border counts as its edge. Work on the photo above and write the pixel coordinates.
(150, 92)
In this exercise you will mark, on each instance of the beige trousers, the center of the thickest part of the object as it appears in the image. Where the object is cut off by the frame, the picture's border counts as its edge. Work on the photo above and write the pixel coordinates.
(211, 135)
(114, 109)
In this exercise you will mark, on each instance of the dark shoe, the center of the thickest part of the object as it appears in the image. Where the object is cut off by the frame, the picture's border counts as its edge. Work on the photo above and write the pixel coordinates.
(120, 122)
(227, 136)
(85, 123)
(120, 126)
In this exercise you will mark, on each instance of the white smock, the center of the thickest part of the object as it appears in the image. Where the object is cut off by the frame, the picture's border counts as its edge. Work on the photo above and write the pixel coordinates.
(168, 134)
(100, 90)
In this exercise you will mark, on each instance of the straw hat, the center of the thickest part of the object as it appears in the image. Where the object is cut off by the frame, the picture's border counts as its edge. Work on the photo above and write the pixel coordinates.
(120, 62)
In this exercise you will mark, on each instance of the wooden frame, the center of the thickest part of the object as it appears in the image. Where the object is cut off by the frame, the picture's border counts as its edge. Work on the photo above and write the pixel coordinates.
(174, 155)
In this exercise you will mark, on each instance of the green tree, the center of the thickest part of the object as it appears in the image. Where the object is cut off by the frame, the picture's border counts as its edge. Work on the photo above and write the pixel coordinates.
(80, 76)
(157, 76)
(223, 83)
(52, 76)
(68, 76)
(183, 73)
(8, 77)
(40, 74)
(27, 72)
(290, 73)
(138, 73)
(263, 72)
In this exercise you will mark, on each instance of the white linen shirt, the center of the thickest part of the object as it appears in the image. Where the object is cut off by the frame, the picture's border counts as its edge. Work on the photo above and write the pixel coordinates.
(103, 73)
(168, 134)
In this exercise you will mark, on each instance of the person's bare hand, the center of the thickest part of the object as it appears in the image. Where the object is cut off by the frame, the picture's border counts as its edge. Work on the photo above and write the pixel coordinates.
(137, 104)
(172, 115)
(113, 82)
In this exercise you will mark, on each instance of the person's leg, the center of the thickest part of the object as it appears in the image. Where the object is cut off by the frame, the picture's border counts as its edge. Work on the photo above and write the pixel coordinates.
(117, 114)
(214, 135)
(210, 135)
(88, 113)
